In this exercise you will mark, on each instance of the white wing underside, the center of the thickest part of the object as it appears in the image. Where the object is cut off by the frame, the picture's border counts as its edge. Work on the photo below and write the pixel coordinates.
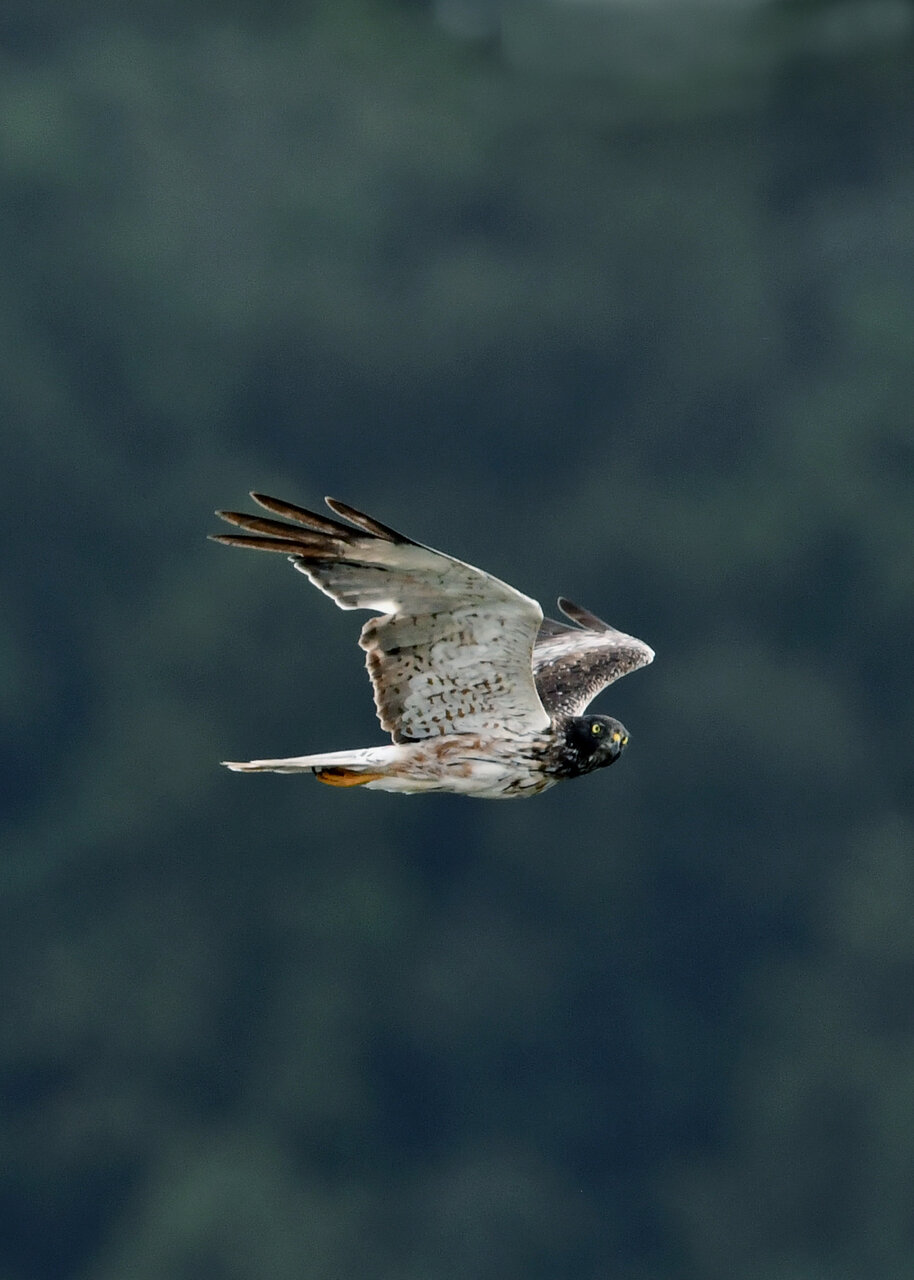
(452, 650)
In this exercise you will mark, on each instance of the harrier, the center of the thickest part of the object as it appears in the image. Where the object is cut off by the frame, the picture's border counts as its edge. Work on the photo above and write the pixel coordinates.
(481, 696)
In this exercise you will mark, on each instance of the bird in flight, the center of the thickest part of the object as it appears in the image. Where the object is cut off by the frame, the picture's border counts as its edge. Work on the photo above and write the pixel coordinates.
(480, 694)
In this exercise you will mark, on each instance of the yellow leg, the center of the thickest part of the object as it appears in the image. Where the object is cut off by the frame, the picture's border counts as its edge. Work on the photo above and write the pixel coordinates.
(345, 777)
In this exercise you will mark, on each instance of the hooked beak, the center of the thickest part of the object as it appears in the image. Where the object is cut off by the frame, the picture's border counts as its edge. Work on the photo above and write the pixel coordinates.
(618, 743)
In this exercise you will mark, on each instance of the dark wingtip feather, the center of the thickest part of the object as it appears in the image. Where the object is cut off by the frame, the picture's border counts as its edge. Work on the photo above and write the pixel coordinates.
(589, 621)
(286, 545)
(368, 523)
(310, 519)
(275, 528)
(235, 517)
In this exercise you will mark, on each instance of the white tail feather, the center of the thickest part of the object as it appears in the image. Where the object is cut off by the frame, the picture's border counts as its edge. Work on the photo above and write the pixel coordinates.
(365, 759)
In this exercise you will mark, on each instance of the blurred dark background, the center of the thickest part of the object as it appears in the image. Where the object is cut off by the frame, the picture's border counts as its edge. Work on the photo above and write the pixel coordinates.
(614, 301)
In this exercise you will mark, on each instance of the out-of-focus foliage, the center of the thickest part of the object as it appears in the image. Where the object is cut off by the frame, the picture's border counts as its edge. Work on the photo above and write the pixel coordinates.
(655, 1024)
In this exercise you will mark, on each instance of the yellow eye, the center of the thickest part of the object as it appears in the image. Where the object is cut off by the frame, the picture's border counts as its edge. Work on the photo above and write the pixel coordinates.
(625, 741)
(596, 729)
(617, 736)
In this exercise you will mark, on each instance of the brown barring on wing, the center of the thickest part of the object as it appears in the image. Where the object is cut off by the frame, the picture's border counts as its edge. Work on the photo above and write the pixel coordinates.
(572, 664)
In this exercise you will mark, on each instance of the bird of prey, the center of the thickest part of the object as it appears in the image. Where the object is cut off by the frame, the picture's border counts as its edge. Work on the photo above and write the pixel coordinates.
(480, 695)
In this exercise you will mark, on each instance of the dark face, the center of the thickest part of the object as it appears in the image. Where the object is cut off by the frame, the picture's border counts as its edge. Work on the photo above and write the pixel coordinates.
(596, 741)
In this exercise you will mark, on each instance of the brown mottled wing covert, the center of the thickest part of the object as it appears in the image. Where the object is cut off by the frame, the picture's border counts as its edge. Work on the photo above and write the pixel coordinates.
(572, 665)
(452, 651)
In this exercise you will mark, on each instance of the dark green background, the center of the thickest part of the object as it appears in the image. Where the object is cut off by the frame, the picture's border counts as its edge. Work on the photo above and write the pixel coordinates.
(644, 339)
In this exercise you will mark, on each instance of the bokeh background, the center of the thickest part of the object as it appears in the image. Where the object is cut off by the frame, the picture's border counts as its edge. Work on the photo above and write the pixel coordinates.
(615, 301)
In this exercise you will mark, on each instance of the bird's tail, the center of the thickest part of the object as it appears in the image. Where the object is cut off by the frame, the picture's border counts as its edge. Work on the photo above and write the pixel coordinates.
(336, 768)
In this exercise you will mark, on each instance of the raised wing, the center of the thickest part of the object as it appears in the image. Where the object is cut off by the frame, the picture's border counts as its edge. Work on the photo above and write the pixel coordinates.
(572, 665)
(452, 650)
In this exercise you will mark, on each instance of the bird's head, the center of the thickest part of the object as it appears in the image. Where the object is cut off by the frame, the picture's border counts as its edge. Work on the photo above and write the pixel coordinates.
(595, 741)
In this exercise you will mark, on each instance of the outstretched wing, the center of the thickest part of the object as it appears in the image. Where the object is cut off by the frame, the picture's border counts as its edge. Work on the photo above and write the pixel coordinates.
(572, 665)
(452, 650)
